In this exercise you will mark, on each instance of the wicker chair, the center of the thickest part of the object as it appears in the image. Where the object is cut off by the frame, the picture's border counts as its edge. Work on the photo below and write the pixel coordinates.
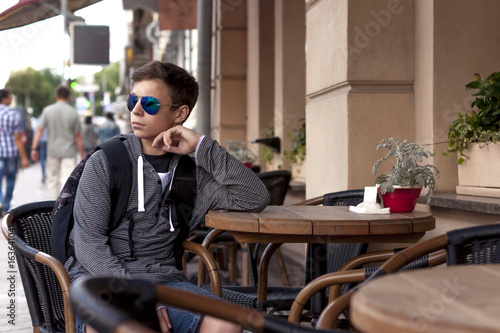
(45, 281)
(468, 246)
(119, 305)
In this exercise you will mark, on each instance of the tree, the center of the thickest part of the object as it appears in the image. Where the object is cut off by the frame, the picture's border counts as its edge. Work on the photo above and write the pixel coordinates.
(108, 80)
(34, 88)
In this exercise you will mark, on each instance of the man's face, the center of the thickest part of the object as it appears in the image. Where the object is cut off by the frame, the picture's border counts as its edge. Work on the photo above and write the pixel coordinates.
(147, 126)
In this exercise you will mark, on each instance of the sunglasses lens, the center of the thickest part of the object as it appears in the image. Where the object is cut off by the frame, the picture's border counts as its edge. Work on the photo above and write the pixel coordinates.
(131, 102)
(150, 104)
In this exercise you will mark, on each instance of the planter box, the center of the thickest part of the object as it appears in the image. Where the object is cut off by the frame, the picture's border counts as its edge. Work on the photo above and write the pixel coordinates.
(477, 175)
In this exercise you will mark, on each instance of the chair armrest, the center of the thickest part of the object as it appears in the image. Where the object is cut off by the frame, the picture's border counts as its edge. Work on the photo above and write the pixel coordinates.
(433, 246)
(209, 239)
(60, 273)
(6, 227)
(329, 316)
(249, 319)
(320, 283)
(209, 262)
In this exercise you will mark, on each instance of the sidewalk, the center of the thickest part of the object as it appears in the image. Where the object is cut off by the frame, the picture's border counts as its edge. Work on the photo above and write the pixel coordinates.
(28, 188)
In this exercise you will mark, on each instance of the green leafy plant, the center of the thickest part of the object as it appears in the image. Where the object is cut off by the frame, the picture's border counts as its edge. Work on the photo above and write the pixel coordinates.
(481, 124)
(406, 169)
(298, 152)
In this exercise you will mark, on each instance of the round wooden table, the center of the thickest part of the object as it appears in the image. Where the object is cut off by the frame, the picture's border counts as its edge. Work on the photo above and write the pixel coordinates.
(456, 299)
(319, 224)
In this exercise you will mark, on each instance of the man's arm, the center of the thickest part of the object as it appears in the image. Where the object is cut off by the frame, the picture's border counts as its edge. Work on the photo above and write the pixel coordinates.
(22, 152)
(79, 144)
(36, 142)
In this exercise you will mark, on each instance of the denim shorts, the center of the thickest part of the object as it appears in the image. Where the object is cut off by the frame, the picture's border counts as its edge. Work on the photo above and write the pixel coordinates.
(182, 321)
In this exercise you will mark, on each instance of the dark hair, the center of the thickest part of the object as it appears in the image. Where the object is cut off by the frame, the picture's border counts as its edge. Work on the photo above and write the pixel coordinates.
(4, 93)
(88, 119)
(63, 92)
(183, 86)
(110, 116)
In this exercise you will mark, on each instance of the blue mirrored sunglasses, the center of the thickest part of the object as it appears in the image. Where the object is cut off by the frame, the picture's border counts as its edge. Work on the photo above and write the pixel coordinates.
(148, 103)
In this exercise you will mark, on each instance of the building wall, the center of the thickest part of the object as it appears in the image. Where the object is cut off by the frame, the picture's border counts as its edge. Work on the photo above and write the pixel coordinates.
(389, 68)
(359, 88)
(228, 119)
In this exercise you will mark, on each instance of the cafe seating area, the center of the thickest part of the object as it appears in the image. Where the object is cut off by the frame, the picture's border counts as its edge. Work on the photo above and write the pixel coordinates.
(357, 306)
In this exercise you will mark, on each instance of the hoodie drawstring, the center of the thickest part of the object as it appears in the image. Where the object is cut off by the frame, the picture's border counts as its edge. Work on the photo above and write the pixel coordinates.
(140, 190)
(140, 184)
(171, 206)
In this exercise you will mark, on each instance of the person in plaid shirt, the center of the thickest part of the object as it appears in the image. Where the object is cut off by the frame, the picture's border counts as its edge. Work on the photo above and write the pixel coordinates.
(11, 147)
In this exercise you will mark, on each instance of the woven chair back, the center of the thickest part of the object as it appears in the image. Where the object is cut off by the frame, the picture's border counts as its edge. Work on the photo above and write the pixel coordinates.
(479, 245)
(277, 183)
(32, 227)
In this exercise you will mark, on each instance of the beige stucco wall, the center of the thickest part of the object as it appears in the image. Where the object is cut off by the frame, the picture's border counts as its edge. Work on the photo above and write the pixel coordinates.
(228, 119)
(260, 72)
(403, 66)
(466, 41)
(359, 86)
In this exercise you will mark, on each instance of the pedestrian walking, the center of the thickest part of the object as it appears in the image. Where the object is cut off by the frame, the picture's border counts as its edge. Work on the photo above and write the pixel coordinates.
(108, 129)
(90, 134)
(11, 148)
(64, 140)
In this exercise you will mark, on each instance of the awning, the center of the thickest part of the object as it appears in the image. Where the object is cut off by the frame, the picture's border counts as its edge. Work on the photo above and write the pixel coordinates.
(31, 11)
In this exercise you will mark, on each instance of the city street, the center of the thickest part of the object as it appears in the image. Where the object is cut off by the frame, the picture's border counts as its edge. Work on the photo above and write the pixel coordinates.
(14, 314)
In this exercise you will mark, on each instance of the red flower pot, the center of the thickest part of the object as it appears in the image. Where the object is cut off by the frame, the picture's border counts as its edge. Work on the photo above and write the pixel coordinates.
(402, 200)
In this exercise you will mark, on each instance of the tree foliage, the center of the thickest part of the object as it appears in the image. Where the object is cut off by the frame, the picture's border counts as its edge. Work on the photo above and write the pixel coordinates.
(34, 88)
(108, 80)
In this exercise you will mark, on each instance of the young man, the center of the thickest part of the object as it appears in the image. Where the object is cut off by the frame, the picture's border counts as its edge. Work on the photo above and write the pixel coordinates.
(143, 244)
(64, 140)
(11, 147)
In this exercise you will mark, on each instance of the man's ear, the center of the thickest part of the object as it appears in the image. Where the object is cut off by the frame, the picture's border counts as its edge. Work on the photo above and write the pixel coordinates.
(182, 114)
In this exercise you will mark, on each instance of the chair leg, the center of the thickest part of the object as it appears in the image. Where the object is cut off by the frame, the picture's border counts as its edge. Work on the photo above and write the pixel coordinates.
(281, 264)
(233, 262)
(245, 278)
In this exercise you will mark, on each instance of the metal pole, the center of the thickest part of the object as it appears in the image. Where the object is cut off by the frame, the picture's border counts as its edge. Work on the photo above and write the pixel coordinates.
(204, 23)
(64, 7)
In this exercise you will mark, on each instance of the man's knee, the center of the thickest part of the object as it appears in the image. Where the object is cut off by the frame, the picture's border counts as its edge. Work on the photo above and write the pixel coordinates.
(211, 324)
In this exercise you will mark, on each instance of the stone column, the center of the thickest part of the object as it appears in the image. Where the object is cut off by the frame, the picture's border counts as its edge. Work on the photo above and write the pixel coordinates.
(260, 73)
(289, 69)
(230, 102)
(360, 58)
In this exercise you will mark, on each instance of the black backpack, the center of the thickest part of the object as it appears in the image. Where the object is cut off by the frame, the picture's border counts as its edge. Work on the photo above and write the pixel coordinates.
(120, 170)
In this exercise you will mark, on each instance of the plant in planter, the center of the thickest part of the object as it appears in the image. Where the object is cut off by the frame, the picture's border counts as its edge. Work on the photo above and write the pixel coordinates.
(481, 124)
(297, 155)
(406, 172)
(238, 149)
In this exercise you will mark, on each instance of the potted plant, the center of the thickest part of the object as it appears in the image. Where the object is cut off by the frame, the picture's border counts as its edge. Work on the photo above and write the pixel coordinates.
(238, 149)
(473, 137)
(482, 124)
(401, 188)
(297, 154)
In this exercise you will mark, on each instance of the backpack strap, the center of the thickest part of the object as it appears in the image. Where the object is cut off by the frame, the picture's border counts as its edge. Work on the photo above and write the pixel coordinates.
(184, 196)
(120, 178)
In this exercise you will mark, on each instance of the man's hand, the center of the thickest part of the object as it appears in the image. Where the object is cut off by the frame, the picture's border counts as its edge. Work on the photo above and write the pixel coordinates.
(34, 155)
(164, 320)
(25, 162)
(179, 140)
